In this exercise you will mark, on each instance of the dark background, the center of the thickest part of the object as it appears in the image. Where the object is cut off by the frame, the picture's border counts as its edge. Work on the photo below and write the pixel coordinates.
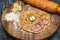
(5, 36)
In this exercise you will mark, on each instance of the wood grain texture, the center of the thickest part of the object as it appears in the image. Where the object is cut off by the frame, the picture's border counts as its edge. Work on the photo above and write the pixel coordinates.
(21, 34)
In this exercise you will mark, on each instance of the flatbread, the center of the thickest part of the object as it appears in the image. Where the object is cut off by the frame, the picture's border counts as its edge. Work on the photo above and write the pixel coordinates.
(40, 16)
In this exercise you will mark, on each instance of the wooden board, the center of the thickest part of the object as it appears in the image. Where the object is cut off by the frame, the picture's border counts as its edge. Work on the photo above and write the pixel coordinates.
(21, 34)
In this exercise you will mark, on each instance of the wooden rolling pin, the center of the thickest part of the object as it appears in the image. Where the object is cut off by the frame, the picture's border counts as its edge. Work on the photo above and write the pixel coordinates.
(45, 5)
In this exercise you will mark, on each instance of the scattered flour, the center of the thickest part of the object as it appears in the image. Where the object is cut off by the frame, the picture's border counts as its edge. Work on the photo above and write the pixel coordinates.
(12, 17)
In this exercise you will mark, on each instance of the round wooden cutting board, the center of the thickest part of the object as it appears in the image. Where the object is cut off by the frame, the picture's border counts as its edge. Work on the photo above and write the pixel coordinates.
(21, 34)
